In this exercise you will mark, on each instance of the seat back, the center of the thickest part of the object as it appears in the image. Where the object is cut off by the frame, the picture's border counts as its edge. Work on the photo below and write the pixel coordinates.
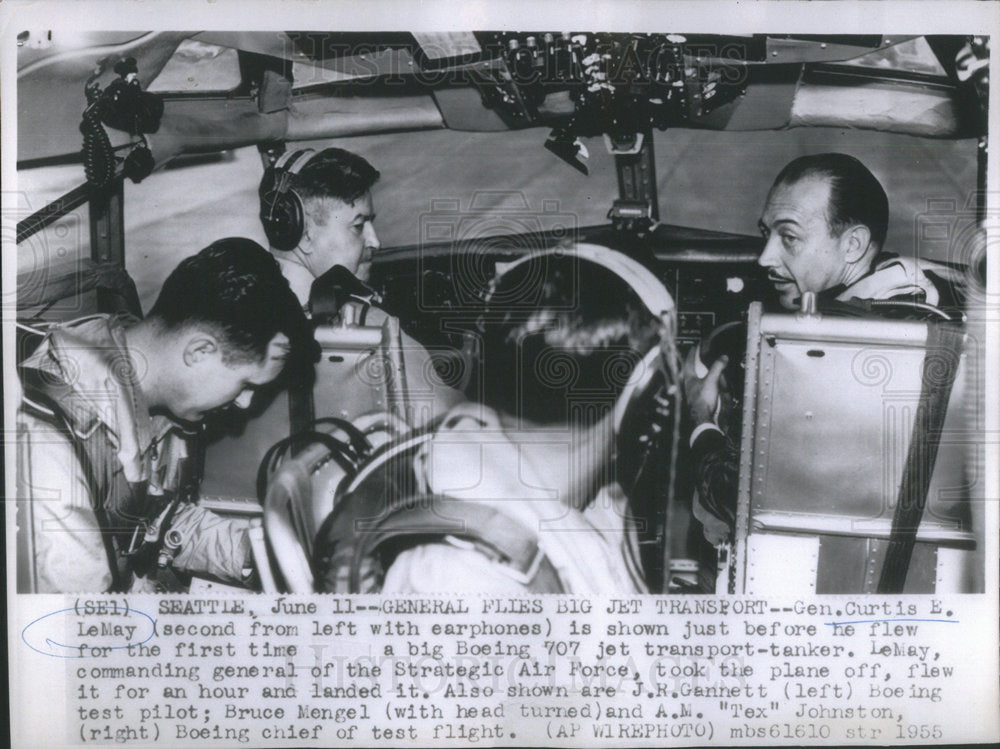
(353, 378)
(304, 480)
(828, 419)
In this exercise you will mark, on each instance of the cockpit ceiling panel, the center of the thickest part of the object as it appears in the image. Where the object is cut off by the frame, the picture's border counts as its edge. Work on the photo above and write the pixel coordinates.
(36, 44)
(895, 86)
(50, 89)
(874, 106)
(360, 55)
(797, 48)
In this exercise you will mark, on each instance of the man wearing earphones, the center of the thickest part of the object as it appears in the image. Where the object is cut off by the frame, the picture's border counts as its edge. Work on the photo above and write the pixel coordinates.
(319, 217)
(533, 487)
(825, 223)
(317, 212)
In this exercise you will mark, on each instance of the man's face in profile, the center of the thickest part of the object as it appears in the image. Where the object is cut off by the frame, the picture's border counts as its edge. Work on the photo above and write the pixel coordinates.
(342, 233)
(801, 253)
(205, 382)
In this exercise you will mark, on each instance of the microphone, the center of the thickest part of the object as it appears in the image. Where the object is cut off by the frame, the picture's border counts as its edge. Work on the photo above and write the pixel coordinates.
(335, 288)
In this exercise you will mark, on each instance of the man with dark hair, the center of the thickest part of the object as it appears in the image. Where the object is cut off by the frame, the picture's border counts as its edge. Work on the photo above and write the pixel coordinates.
(333, 188)
(332, 238)
(825, 223)
(102, 451)
(856, 196)
(565, 344)
(573, 345)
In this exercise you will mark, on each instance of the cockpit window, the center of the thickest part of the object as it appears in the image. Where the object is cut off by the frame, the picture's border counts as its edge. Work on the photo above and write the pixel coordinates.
(912, 56)
(311, 75)
(197, 67)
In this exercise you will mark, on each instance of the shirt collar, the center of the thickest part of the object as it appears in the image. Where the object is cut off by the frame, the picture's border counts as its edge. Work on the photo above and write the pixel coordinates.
(299, 278)
(893, 276)
(91, 355)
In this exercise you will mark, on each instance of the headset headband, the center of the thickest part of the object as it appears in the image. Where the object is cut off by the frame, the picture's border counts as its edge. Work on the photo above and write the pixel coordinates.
(289, 160)
(649, 289)
(652, 293)
(288, 165)
(281, 209)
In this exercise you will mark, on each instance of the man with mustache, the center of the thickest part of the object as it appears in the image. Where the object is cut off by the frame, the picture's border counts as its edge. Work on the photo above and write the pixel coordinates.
(108, 404)
(825, 223)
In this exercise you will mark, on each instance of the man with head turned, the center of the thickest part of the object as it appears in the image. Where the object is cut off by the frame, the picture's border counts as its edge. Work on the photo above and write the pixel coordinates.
(537, 477)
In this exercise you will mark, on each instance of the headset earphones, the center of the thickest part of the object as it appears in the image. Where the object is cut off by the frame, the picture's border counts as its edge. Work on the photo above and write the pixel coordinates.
(647, 412)
(650, 291)
(281, 211)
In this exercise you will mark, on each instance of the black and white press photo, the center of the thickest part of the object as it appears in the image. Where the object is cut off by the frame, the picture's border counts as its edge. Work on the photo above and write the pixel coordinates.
(644, 361)
(505, 256)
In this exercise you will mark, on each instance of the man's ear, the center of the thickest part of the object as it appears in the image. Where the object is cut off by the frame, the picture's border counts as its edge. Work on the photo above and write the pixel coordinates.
(200, 347)
(855, 242)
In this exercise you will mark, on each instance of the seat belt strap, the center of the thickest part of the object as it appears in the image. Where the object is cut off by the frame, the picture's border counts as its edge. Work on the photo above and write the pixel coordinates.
(944, 350)
(493, 533)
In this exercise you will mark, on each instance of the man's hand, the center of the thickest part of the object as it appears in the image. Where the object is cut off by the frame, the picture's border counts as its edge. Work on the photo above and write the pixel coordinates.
(702, 394)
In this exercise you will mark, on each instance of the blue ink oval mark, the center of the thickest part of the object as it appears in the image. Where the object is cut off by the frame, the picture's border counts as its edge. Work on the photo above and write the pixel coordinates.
(51, 645)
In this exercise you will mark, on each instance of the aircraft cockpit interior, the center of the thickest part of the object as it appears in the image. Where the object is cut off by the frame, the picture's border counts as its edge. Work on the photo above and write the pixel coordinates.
(847, 453)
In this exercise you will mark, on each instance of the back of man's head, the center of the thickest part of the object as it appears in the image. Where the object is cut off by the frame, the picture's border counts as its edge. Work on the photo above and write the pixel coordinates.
(561, 333)
(856, 196)
(234, 290)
